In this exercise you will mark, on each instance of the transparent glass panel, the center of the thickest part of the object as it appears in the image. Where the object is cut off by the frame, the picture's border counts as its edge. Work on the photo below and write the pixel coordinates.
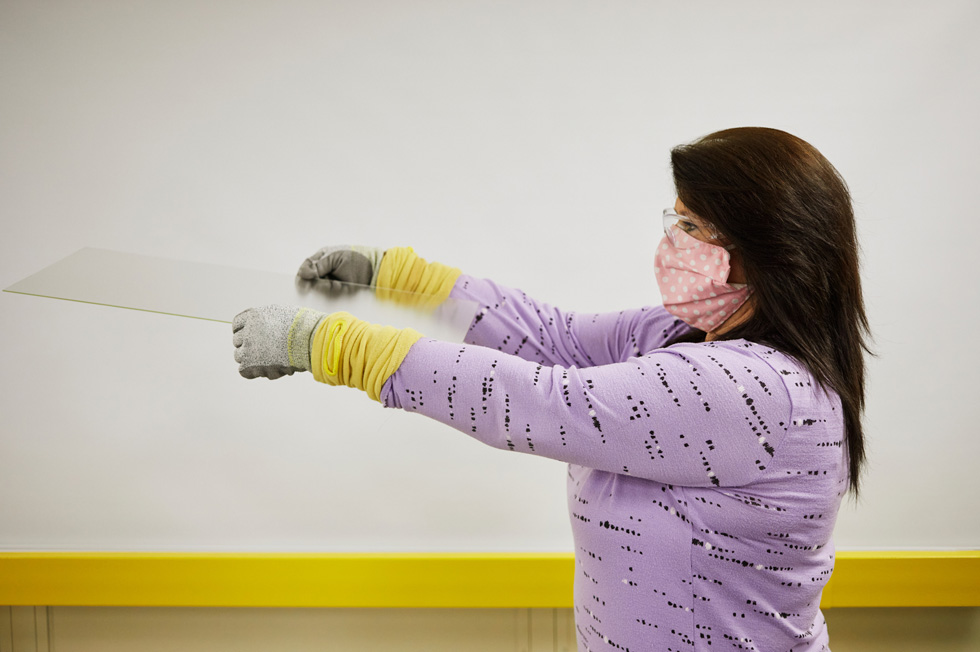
(126, 434)
(218, 293)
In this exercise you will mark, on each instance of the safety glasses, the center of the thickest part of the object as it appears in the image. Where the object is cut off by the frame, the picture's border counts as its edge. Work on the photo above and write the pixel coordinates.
(674, 223)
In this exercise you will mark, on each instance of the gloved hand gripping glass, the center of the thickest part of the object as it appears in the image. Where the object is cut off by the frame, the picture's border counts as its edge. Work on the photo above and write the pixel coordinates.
(274, 341)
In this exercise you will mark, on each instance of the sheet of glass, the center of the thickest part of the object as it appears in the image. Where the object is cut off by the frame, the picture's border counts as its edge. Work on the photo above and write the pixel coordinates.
(218, 293)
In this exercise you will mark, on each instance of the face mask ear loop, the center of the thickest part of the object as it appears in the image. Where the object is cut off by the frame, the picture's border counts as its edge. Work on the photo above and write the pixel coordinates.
(334, 343)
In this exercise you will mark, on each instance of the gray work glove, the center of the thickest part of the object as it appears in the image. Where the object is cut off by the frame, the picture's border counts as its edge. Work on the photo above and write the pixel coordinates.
(343, 263)
(274, 341)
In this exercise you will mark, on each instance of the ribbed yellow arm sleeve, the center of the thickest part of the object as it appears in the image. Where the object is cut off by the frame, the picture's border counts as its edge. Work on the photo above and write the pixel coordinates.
(352, 352)
(403, 271)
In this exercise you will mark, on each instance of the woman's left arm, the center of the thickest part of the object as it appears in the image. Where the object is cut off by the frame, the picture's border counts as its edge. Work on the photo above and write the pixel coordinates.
(692, 415)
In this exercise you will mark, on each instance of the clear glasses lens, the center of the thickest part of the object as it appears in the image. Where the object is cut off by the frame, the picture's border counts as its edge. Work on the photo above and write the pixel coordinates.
(670, 220)
(702, 232)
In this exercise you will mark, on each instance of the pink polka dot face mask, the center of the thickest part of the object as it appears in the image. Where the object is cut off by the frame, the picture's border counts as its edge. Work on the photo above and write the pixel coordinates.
(693, 279)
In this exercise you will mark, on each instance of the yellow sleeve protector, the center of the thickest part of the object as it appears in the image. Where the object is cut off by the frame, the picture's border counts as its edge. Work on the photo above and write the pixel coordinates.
(404, 277)
(352, 352)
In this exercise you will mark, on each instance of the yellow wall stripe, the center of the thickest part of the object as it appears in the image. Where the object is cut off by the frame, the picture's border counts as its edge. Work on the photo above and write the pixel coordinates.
(861, 579)
(906, 578)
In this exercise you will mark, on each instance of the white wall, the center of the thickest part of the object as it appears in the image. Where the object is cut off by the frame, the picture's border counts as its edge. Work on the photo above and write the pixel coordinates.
(526, 141)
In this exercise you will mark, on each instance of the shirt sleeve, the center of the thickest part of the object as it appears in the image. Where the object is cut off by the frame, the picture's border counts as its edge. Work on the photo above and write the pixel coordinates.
(511, 322)
(701, 415)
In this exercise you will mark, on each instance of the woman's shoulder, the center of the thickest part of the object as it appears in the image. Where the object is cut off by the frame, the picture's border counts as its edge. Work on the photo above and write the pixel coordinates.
(738, 350)
(765, 364)
(744, 355)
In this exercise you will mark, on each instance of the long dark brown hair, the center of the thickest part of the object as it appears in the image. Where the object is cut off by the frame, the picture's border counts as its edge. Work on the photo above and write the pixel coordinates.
(788, 211)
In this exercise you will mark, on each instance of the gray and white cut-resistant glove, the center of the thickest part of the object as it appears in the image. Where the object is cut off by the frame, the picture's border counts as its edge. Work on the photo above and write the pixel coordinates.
(343, 263)
(274, 341)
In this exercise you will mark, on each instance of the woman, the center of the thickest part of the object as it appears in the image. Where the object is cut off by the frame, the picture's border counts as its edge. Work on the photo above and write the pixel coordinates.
(710, 441)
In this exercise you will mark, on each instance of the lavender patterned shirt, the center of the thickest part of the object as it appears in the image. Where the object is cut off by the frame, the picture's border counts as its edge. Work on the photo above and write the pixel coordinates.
(704, 480)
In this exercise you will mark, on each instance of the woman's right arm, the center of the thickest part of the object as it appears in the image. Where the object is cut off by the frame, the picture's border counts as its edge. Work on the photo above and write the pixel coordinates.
(510, 321)
(507, 319)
